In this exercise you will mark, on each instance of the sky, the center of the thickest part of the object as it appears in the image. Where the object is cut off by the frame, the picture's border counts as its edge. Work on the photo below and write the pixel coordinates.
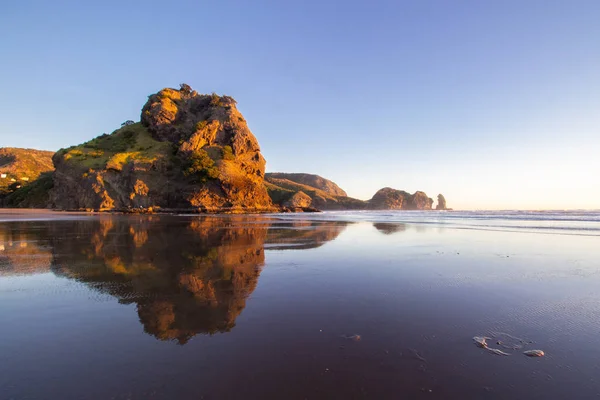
(495, 104)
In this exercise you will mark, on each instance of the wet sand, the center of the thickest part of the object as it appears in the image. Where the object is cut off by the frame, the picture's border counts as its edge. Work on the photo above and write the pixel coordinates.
(255, 307)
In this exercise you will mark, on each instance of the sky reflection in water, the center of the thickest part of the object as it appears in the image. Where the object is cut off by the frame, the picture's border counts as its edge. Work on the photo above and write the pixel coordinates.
(269, 304)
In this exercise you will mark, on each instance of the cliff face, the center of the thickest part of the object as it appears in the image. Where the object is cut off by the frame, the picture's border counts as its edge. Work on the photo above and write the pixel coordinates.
(392, 199)
(315, 181)
(189, 151)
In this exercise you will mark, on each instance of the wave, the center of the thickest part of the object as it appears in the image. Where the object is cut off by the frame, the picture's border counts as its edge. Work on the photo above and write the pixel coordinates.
(577, 222)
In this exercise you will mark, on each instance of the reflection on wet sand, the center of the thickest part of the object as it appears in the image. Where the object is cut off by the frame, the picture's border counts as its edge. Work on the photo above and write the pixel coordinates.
(388, 228)
(22, 251)
(187, 276)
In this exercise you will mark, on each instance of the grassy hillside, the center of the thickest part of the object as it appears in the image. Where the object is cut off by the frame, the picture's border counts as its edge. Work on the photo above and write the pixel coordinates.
(129, 143)
(32, 195)
(22, 167)
(281, 190)
(312, 180)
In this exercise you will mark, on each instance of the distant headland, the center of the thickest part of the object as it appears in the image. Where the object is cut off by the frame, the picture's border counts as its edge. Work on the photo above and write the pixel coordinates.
(190, 152)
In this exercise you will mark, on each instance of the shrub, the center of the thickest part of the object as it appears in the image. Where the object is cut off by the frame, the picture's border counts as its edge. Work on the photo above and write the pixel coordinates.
(201, 125)
(200, 167)
(215, 100)
(227, 153)
(128, 134)
(96, 153)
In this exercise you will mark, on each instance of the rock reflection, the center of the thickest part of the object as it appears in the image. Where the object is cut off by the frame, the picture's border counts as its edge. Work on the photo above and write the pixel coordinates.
(389, 228)
(21, 250)
(187, 276)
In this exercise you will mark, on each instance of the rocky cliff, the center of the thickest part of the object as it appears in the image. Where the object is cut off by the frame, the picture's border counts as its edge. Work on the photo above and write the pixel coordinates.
(190, 150)
(392, 199)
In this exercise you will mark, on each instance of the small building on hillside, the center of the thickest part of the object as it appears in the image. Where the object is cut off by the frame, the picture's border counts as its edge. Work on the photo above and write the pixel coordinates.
(3, 176)
(13, 180)
(25, 179)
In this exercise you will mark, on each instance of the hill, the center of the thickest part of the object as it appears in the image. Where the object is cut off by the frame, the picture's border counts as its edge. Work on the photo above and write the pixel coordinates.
(288, 193)
(315, 181)
(295, 190)
(189, 151)
(25, 177)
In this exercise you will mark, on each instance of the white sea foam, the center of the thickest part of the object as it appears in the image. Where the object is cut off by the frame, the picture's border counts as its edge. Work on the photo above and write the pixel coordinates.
(555, 222)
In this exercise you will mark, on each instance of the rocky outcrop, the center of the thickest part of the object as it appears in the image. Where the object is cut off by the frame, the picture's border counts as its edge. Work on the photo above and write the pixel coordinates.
(190, 151)
(441, 205)
(315, 181)
(298, 200)
(419, 201)
(389, 199)
(392, 199)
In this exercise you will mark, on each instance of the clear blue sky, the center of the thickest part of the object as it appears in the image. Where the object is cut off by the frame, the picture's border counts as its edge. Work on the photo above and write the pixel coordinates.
(496, 104)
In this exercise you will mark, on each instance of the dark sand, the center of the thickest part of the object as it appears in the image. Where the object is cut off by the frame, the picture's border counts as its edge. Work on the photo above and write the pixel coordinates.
(247, 307)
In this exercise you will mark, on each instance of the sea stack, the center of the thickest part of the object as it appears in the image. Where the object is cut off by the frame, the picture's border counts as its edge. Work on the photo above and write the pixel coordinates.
(441, 205)
(190, 151)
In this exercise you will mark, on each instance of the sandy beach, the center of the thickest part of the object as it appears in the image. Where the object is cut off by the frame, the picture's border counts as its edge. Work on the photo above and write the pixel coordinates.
(331, 305)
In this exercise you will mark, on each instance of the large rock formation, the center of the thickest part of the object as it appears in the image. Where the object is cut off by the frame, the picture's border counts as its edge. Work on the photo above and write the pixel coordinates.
(392, 199)
(298, 200)
(189, 151)
(441, 205)
(315, 181)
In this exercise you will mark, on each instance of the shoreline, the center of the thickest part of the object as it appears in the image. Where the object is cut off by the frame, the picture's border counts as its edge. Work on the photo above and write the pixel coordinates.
(153, 211)
(206, 211)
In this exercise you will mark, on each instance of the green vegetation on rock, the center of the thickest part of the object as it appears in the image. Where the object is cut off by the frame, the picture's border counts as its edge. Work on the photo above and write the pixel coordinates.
(32, 195)
(129, 143)
(199, 167)
(20, 170)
